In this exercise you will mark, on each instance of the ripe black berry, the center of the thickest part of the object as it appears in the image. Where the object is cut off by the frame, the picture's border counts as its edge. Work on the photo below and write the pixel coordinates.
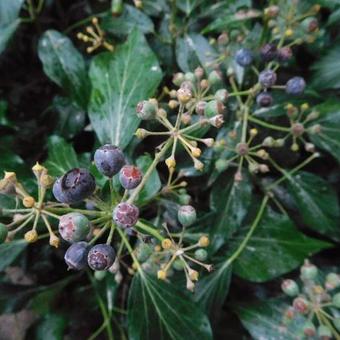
(125, 215)
(267, 78)
(101, 257)
(76, 185)
(264, 99)
(76, 255)
(109, 159)
(244, 57)
(268, 52)
(295, 86)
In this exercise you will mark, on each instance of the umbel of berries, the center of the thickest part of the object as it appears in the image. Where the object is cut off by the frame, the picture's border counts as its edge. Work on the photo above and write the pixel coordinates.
(76, 185)
(244, 57)
(109, 159)
(76, 256)
(101, 257)
(130, 176)
(125, 215)
(74, 227)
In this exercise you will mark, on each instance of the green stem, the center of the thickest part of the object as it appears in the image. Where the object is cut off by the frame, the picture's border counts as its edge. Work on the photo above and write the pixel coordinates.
(243, 244)
(82, 211)
(149, 230)
(287, 174)
(148, 173)
(268, 125)
(129, 248)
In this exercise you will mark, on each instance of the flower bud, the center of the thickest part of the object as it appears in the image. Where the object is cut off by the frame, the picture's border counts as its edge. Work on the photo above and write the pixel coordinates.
(198, 165)
(263, 168)
(161, 275)
(166, 244)
(204, 84)
(310, 147)
(184, 95)
(284, 53)
(308, 271)
(223, 38)
(46, 181)
(290, 287)
(28, 202)
(193, 274)
(54, 240)
(263, 154)
(216, 121)
(171, 162)
(242, 149)
(272, 11)
(209, 142)
(186, 118)
(141, 133)
(297, 129)
(203, 241)
(186, 215)
(278, 143)
(190, 285)
(31, 236)
(173, 104)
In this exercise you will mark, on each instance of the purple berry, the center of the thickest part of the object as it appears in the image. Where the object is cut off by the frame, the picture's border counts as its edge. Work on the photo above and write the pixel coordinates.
(284, 53)
(76, 185)
(109, 159)
(264, 99)
(101, 257)
(76, 255)
(267, 78)
(268, 52)
(74, 227)
(244, 57)
(295, 86)
(125, 215)
(130, 176)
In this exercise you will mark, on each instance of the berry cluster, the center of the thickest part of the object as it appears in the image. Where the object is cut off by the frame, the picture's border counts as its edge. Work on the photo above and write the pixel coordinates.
(317, 299)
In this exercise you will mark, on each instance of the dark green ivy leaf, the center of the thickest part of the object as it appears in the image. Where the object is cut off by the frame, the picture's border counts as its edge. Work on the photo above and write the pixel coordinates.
(231, 201)
(317, 203)
(119, 81)
(264, 321)
(10, 251)
(275, 248)
(157, 310)
(51, 327)
(61, 156)
(64, 65)
(329, 120)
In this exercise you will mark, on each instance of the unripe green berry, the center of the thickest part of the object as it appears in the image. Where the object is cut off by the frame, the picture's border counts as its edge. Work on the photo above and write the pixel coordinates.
(178, 264)
(290, 287)
(221, 164)
(146, 109)
(214, 77)
(222, 95)
(332, 281)
(184, 199)
(3, 233)
(143, 252)
(213, 108)
(201, 254)
(268, 141)
(336, 300)
(309, 329)
(324, 332)
(99, 275)
(190, 77)
(186, 215)
(74, 227)
(308, 271)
